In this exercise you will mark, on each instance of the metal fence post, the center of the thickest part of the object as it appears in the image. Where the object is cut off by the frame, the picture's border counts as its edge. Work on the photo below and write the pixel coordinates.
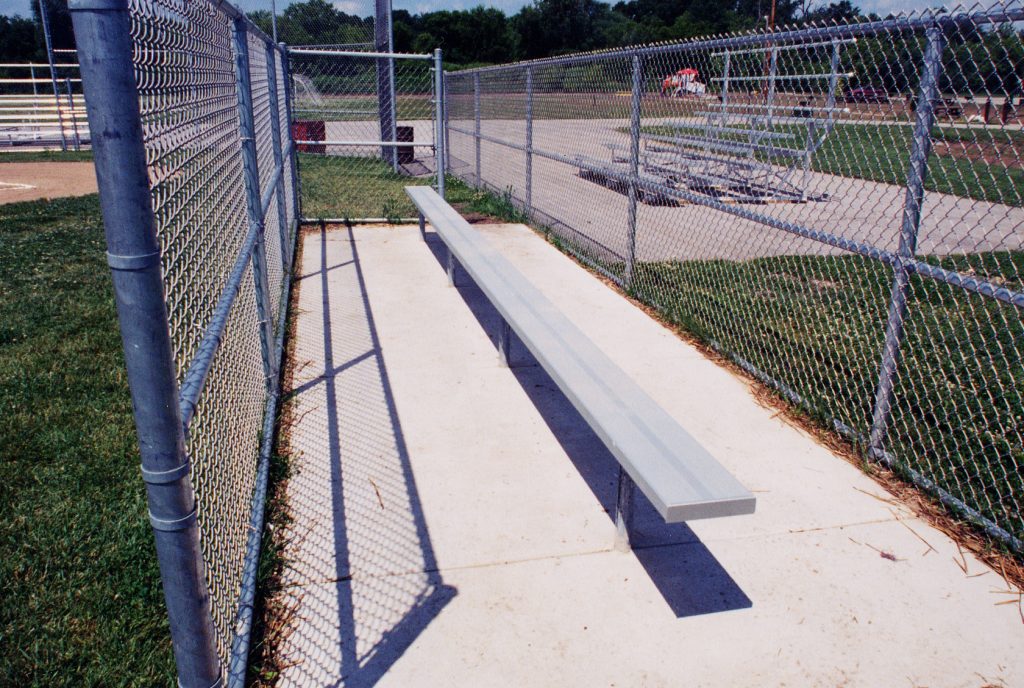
(133, 253)
(439, 123)
(476, 126)
(275, 138)
(44, 18)
(286, 74)
(916, 175)
(247, 133)
(447, 120)
(529, 141)
(634, 167)
(71, 108)
(382, 43)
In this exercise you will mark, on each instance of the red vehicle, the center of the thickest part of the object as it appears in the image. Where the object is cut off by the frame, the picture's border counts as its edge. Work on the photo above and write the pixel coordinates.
(683, 83)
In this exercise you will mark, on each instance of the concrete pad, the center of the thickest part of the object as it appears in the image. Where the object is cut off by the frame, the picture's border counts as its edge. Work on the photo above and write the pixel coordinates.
(791, 611)
(451, 520)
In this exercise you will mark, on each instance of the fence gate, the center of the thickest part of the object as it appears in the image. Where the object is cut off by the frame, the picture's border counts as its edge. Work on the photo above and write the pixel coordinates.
(365, 124)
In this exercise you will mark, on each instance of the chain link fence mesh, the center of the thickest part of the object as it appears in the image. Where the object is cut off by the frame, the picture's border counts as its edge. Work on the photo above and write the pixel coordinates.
(837, 208)
(346, 173)
(184, 62)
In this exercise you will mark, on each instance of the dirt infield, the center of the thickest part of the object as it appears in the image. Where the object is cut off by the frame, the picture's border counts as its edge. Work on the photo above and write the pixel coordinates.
(29, 181)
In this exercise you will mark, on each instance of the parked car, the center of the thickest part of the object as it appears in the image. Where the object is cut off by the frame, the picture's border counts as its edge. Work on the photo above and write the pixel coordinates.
(866, 94)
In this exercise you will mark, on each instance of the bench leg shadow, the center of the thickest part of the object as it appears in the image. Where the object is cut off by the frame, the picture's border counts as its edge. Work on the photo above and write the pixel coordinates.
(687, 575)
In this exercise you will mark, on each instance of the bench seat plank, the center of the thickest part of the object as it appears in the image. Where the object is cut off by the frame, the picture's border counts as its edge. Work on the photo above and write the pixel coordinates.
(678, 475)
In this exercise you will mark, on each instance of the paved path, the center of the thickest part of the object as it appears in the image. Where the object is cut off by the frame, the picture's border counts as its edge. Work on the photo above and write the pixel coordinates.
(451, 516)
(857, 209)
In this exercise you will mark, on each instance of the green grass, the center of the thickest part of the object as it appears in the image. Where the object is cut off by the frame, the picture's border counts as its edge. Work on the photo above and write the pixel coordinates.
(881, 153)
(81, 598)
(816, 324)
(351, 187)
(46, 156)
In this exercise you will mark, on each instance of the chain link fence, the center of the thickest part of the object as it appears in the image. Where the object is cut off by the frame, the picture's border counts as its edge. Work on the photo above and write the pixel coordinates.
(365, 126)
(189, 106)
(837, 208)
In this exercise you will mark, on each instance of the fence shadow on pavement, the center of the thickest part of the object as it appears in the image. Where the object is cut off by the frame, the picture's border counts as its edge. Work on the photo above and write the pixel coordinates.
(689, 578)
(362, 577)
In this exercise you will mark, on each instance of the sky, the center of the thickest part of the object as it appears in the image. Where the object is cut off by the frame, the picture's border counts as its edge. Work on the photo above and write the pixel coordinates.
(365, 7)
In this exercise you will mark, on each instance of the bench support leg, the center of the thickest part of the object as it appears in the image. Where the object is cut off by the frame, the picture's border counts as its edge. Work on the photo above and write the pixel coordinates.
(624, 512)
(452, 267)
(504, 344)
(423, 227)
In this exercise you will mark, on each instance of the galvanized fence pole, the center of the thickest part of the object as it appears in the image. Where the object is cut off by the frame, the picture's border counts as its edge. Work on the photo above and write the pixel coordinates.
(476, 127)
(286, 74)
(916, 175)
(71, 110)
(439, 121)
(634, 167)
(44, 18)
(133, 252)
(529, 141)
(275, 138)
(382, 43)
(247, 132)
(447, 119)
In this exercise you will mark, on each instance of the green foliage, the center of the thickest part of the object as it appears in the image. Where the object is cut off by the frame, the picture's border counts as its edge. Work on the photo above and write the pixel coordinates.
(352, 188)
(82, 603)
(18, 40)
(46, 156)
(816, 324)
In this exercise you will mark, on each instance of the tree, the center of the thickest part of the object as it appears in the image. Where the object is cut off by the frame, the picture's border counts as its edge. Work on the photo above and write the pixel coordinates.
(62, 34)
(18, 40)
(842, 11)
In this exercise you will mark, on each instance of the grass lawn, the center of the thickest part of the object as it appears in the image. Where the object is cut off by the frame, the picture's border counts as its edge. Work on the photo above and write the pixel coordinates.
(81, 598)
(816, 324)
(880, 153)
(45, 156)
(351, 187)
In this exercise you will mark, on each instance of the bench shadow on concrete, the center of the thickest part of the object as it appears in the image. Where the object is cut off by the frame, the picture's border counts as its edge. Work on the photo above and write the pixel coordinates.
(689, 578)
(377, 584)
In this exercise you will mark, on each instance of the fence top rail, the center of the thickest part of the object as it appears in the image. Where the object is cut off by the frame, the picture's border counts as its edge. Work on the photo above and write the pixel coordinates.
(359, 53)
(221, 5)
(924, 19)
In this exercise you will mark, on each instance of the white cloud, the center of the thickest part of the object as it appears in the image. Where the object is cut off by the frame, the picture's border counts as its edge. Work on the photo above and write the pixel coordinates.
(354, 7)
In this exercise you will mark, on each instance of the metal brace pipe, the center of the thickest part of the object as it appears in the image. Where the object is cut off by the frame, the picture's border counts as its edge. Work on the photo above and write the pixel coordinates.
(250, 166)
(916, 175)
(275, 139)
(287, 76)
(634, 168)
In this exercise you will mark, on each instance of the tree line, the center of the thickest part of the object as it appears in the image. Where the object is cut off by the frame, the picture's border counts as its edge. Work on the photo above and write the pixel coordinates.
(976, 60)
(485, 35)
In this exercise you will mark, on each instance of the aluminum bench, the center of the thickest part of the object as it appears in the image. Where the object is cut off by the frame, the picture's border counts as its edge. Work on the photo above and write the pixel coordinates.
(678, 475)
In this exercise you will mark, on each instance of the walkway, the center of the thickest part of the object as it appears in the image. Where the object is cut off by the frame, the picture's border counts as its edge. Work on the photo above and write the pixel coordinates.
(451, 522)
